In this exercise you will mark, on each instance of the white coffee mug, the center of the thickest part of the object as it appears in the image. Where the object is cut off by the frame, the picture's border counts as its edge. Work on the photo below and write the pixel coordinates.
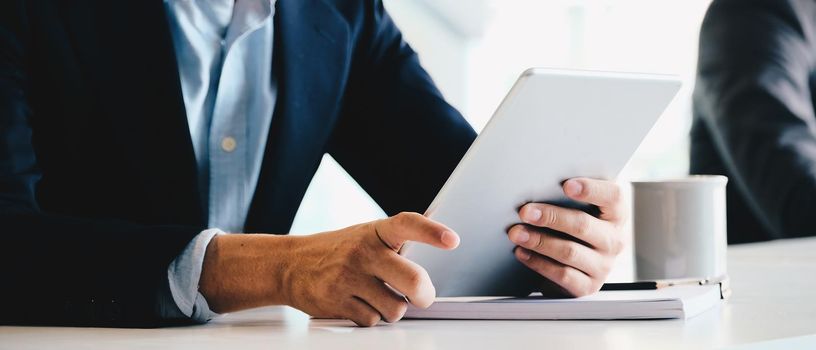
(680, 228)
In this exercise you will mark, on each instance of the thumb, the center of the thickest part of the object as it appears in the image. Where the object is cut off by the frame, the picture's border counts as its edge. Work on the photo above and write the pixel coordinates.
(403, 227)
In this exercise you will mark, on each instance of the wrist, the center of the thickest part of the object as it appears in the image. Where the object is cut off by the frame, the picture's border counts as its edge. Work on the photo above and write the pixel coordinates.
(243, 271)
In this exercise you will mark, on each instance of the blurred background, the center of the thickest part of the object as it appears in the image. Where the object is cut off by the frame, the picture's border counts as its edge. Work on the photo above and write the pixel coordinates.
(475, 50)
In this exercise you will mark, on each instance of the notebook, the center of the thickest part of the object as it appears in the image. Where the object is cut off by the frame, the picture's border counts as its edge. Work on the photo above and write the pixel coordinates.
(679, 302)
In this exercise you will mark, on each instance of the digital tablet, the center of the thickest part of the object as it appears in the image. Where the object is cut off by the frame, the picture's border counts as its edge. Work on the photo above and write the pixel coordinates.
(553, 125)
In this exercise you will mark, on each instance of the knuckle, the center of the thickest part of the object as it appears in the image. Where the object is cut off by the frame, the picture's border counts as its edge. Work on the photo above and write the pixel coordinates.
(537, 241)
(368, 320)
(588, 189)
(395, 313)
(370, 228)
(372, 319)
(356, 255)
(361, 316)
(582, 291)
(346, 278)
(583, 224)
(563, 277)
(406, 217)
(569, 252)
(549, 216)
(617, 245)
(414, 278)
(400, 218)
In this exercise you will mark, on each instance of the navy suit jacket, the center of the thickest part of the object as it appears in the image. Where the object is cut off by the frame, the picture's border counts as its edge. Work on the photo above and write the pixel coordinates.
(754, 118)
(98, 189)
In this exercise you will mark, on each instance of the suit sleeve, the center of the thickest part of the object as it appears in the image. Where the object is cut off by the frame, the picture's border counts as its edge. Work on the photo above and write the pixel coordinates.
(396, 136)
(753, 90)
(57, 269)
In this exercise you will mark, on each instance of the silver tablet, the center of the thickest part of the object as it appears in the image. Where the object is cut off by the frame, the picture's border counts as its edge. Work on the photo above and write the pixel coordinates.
(553, 125)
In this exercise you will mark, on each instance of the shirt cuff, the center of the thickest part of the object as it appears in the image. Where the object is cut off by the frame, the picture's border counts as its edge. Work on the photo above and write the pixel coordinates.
(183, 276)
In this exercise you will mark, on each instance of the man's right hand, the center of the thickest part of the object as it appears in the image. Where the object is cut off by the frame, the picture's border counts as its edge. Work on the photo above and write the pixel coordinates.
(354, 273)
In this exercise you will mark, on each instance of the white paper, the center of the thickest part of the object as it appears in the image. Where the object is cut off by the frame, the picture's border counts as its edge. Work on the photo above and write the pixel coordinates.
(673, 302)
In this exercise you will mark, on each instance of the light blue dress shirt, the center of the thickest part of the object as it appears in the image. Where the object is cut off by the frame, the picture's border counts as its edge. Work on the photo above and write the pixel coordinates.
(224, 54)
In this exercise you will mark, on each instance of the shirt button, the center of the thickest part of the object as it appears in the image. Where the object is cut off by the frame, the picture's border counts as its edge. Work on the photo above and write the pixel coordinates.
(228, 144)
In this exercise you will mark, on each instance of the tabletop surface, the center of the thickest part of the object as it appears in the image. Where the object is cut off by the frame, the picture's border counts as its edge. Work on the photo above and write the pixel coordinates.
(774, 297)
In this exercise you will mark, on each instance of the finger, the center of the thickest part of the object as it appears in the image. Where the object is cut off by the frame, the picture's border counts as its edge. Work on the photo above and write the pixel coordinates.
(574, 282)
(398, 229)
(407, 277)
(388, 303)
(587, 228)
(565, 251)
(602, 193)
(359, 312)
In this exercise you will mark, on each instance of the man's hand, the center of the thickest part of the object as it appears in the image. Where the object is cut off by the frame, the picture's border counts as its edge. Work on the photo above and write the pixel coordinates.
(354, 273)
(578, 266)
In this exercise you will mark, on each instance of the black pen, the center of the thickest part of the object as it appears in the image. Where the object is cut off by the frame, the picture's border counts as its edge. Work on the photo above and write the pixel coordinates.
(649, 285)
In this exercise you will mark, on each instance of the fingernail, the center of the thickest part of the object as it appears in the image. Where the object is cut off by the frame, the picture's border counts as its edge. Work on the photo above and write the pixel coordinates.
(523, 254)
(532, 214)
(449, 238)
(573, 188)
(521, 236)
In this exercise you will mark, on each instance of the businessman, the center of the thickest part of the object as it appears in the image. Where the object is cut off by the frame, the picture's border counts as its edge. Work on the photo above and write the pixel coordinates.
(136, 136)
(754, 114)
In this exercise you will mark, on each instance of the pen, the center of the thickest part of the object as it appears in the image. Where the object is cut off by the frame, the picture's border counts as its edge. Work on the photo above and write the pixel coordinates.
(648, 285)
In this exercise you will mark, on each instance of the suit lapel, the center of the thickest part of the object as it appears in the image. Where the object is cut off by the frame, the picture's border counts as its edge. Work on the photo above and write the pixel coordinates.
(311, 61)
(128, 50)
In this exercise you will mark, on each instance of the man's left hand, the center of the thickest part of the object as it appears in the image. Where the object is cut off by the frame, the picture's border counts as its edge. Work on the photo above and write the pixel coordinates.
(579, 266)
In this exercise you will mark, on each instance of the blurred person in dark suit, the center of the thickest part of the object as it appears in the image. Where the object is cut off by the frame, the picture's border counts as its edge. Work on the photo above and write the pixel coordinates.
(754, 115)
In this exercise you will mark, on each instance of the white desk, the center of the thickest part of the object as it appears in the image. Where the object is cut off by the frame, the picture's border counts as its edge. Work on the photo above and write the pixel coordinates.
(774, 297)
